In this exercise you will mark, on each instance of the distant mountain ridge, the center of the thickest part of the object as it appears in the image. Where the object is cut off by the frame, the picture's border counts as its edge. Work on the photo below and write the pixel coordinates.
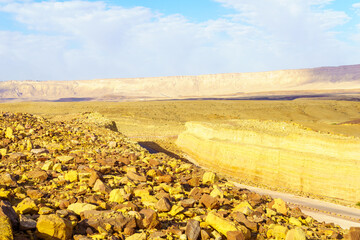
(324, 79)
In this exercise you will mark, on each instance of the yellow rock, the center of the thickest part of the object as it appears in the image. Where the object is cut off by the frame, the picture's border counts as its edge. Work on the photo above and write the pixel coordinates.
(280, 206)
(296, 234)
(244, 207)
(52, 227)
(277, 231)
(295, 221)
(26, 206)
(65, 159)
(175, 209)
(277, 154)
(217, 192)
(116, 195)
(9, 133)
(270, 212)
(48, 165)
(45, 210)
(4, 193)
(71, 176)
(29, 145)
(137, 236)
(220, 224)
(3, 151)
(5, 228)
(209, 178)
(57, 167)
(78, 208)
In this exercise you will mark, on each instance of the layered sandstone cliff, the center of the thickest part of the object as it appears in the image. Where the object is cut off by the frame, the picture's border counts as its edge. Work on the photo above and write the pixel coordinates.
(278, 154)
(211, 85)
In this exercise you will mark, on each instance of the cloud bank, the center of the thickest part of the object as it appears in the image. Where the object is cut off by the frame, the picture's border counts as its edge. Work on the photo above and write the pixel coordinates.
(75, 40)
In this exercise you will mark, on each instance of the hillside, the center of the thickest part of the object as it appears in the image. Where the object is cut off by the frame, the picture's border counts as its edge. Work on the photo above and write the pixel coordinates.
(322, 81)
(279, 155)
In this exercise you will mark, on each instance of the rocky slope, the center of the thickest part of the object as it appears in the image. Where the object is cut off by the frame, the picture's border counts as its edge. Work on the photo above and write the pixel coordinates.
(278, 154)
(213, 85)
(79, 180)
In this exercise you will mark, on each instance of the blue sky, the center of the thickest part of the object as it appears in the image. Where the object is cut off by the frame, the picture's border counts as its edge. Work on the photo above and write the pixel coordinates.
(74, 40)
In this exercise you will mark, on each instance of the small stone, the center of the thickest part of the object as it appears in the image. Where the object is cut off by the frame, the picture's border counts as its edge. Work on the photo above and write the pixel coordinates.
(52, 226)
(93, 178)
(34, 193)
(37, 175)
(154, 162)
(150, 219)
(137, 236)
(135, 177)
(192, 230)
(7, 180)
(279, 205)
(209, 178)
(39, 151)
(71, 176)
(244, 207)
(217, 192)
(117, 195)
(101, 187)
(65, 159)
(241, 218)
(163, 205)
(27, 223)
(45, 210)
(164, 179)
(204, 235)
(296, 234)
(209, 202)
(176, 210)
(277, 231)
(57, 167)
(295, 221)
(223, 225)
(17, 156)
(27, 206)
(78, 208)
(235, 235)
(48, 165)
(187, 203)
(112, 144)
(9, 133)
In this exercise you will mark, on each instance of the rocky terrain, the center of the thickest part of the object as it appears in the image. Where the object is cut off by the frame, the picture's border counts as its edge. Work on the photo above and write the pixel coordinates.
(281, 155)
(336, 82)
(78, 179)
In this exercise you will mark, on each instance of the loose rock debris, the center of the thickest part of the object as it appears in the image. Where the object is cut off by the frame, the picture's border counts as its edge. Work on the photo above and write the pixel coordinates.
(78, 180)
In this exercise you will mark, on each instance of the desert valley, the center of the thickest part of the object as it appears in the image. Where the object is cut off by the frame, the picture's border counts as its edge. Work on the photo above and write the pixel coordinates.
(172, 157)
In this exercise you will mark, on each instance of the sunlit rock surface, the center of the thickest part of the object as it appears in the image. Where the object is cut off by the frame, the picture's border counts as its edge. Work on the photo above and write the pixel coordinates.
(278, 154)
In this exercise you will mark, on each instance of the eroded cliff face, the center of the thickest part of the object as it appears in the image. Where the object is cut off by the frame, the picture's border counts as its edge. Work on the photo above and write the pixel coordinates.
(278, 154)
(344, 77)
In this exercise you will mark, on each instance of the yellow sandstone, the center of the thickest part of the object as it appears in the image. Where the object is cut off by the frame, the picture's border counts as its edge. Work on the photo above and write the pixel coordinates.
(277, 154)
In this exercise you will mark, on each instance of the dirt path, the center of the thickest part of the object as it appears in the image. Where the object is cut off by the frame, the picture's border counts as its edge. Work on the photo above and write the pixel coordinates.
(345, 217)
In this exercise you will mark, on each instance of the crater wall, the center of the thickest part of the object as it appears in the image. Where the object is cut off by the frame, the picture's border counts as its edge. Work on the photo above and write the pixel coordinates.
(281, 155)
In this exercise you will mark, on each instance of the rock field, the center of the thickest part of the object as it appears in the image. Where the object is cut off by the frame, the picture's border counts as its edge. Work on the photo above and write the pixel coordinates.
(79, 180)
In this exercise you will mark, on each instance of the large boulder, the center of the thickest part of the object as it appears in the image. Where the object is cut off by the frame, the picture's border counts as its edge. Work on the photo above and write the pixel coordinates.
(53, 227)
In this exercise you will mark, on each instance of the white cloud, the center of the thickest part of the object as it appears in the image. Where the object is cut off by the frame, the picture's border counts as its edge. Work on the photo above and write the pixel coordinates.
(85, 40)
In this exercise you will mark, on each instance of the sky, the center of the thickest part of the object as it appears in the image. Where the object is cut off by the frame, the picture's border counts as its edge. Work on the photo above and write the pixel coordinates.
(76, 40)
